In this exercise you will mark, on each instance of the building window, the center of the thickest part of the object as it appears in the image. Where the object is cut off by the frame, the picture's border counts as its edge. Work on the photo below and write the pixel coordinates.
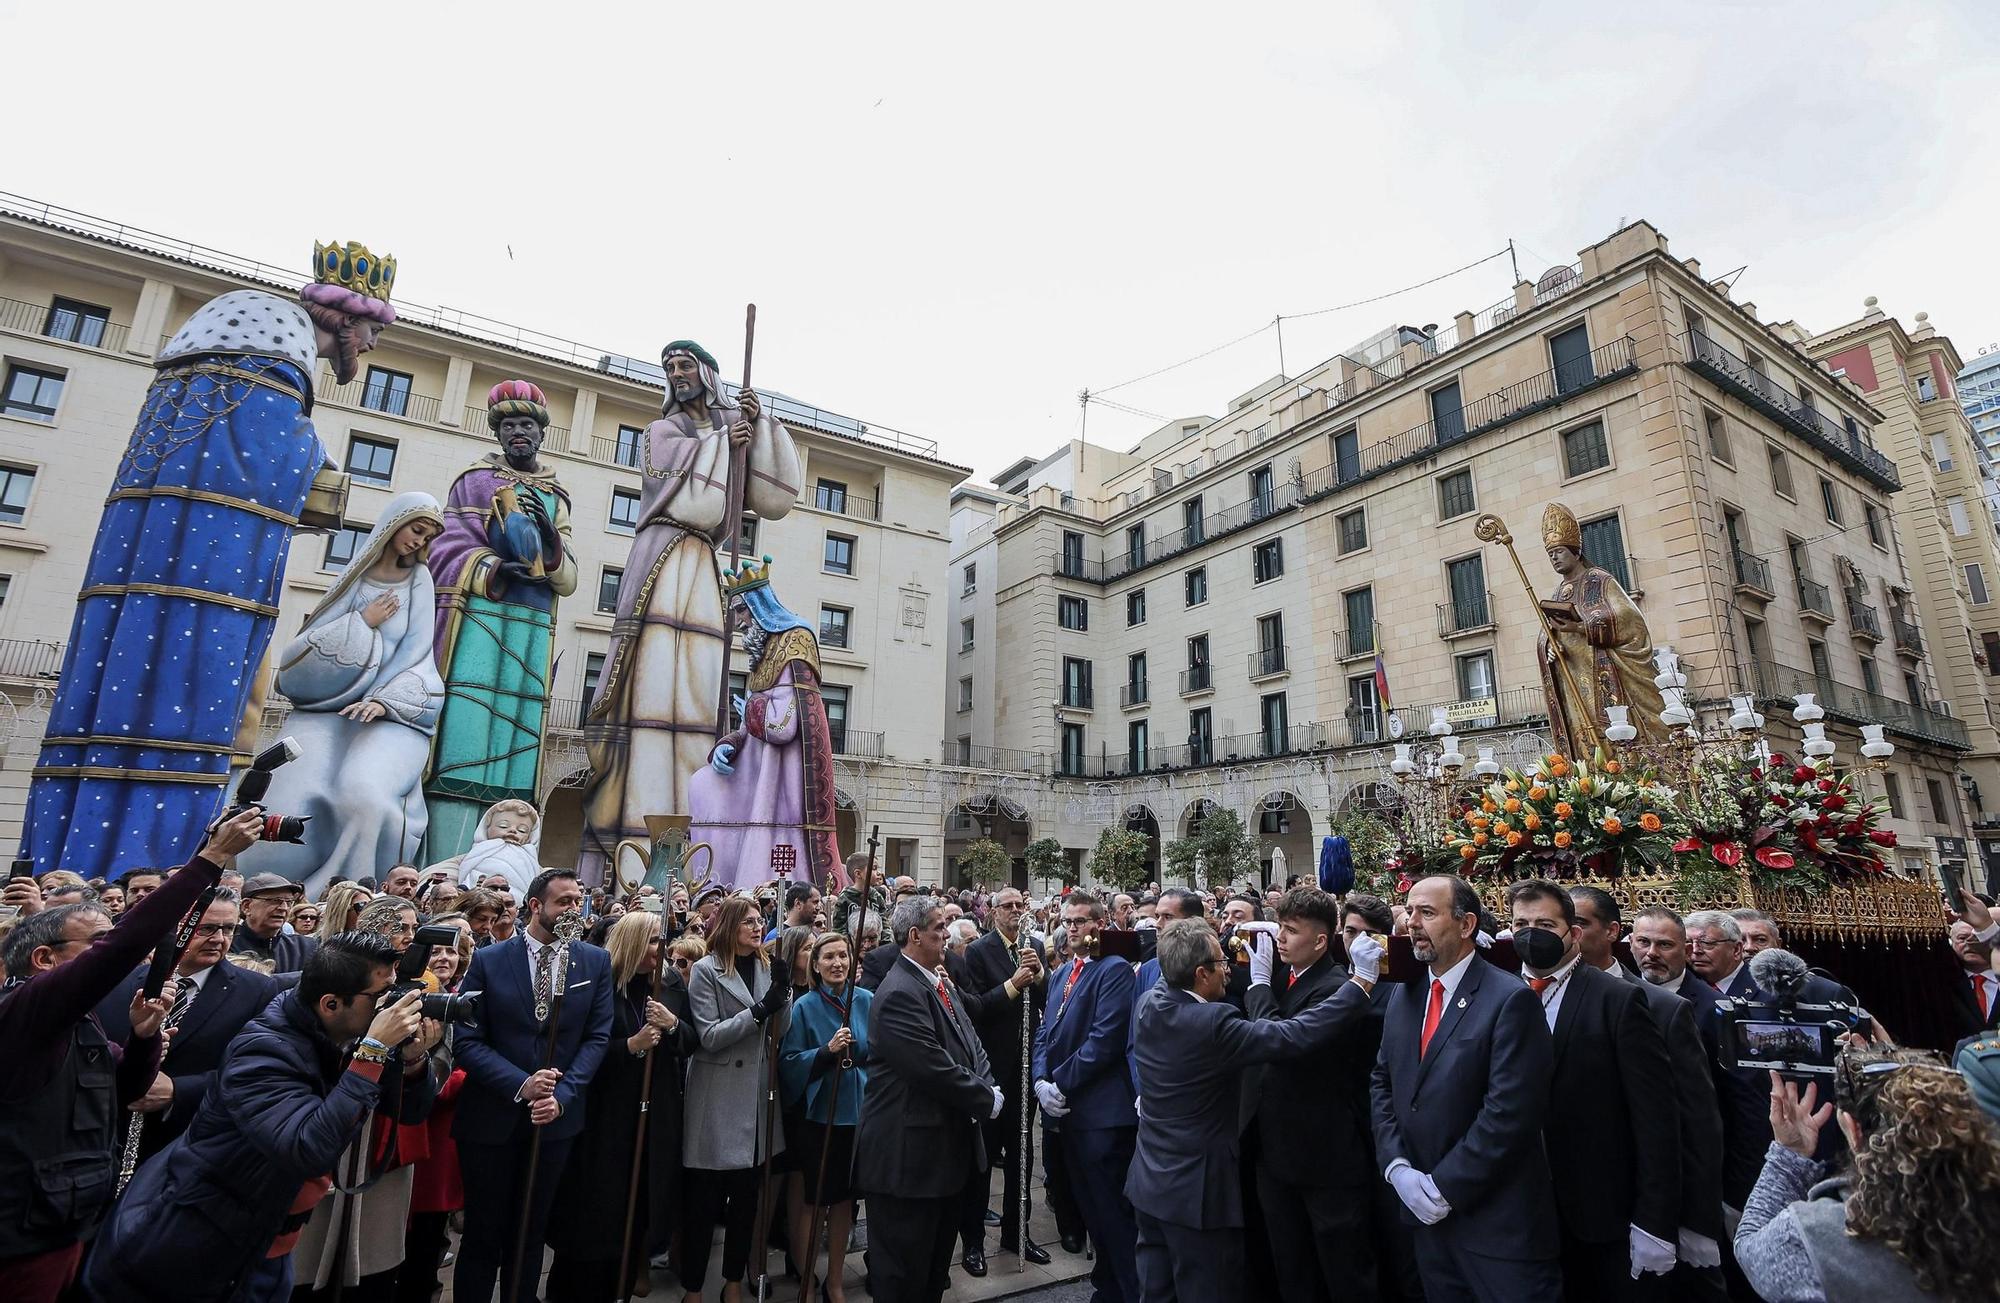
(16, 484)
(1076, 692)
(1072, 749)
(835, 700)
(833, 625)
(1872, 515)
(1781, 472)
(1267, 560)
(1196, 582)
(1270, 656)
(1913, 689)
(1991, 643)
(1135, 546)
(965, 748)
(1135, 607)
(1347, 455)
(1135, 747)
(1871, 678)
(32, 393)
(1585, 449)
(371, 461)
(965, 640)
(1352, 528)
(1718, 436)
(1935, 790)
(630, 440)
(839, 555)
(1475, 676)
(624, 511)
(1072, 554)
(1961, 522)
(1447, 413)
(386, 391)
(1072, 612)
(1455, 494)
(593, 670)
(1201, 737)
(1822, 664)
(1364, 710)
(1569, 357)
(1466, 579)
(1892, 789)
(965, 694)
(608, 580)
(1276, 726)
(341, 546)
(746, 535)
(1261, 498)
(1198, 677)
(79, 323)
(1829, 500)
(1604, 544)
(1191, 532)
(830, 495)
(1975, 579)
(1941, 451)
(1360, 607)
(1136, 688)
(970, 584)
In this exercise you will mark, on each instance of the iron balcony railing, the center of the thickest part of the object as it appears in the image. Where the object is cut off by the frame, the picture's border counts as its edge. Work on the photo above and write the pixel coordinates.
(1196, 678)
(1604, 363)
(21, 658)
(845, 502)
(1846, 446)
(1504, 709)
(362, 396)
(1926, 721)
(985, 757)
(1753, 572)
(1267, 662)
(566, 712)
(554, 439)
(1244, 515)
(64, 324)
(1136, 692)
(1464, 614)
(1909, 638)
(856, 742)
(1815, 597)
(1867, 621)
(1356, 641)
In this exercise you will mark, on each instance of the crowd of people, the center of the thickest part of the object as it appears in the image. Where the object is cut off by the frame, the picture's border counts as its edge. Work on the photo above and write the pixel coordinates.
(544, 1091)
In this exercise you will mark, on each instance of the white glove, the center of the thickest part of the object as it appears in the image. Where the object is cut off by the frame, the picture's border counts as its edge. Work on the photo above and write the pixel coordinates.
(1364, 958)
(1138, 1109)
(1650, 1253)
(1419, 1193)
(1698, 1250)
(999, 1102)
(1053, 1103)
(1262, 951)
(1484, 941)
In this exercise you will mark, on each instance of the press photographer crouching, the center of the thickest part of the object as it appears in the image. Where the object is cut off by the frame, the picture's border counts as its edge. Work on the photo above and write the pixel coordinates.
(63, 1085)
(214, 1215)
(1908, 1218)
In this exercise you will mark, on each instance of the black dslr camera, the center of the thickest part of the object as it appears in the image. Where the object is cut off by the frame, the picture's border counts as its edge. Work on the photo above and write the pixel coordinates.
(256, 781)
(1777, 1030)
(445, 1006)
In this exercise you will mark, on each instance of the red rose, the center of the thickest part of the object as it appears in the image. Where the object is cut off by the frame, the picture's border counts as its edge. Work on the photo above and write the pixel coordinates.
(1803, 774)
(1882, 836)
(1835, 802)
(1778, 761)
(1778, 799)
(1756, 775)
(1727, 853)
(1773, 858)
(1826, 784)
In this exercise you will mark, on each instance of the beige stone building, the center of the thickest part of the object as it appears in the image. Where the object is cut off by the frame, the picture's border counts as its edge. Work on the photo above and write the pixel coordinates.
(1198, 619)
(84, 306)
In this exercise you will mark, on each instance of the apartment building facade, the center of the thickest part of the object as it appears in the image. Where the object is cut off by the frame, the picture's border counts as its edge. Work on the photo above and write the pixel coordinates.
(85, 305)
(1210, 618)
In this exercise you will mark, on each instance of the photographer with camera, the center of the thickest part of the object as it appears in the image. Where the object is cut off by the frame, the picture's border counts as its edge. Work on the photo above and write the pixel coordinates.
(214, 1215)
(62, 1083)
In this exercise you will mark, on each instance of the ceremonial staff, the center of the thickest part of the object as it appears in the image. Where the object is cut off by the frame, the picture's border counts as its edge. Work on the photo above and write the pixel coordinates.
(639, 1143)
(568, 928)
(819, 1207)
(1489, 528)
(1021, 1100)
(739, 470)
(166, 958)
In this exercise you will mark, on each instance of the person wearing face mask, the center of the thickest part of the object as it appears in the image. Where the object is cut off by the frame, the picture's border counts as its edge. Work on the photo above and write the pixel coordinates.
(1613, 1129)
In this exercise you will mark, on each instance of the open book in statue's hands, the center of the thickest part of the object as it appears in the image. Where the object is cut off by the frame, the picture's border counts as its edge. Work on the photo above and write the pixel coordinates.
(1560, 612)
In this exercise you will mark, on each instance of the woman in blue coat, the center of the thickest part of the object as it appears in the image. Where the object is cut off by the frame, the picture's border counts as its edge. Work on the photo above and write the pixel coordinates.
(817, 1052)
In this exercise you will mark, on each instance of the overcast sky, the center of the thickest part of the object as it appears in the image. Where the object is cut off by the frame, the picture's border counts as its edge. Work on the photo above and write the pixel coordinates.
(951, 224)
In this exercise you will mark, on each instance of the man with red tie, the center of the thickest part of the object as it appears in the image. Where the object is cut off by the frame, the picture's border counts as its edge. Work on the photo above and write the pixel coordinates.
(1460, 1091)
(1981, 995)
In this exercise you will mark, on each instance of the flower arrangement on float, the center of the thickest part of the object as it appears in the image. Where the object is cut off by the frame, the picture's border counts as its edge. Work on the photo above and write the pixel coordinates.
(1567, 817)
(1797, 825)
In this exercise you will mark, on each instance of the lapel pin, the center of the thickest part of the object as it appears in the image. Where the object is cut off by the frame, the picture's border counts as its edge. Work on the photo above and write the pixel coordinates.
(1461, 1002)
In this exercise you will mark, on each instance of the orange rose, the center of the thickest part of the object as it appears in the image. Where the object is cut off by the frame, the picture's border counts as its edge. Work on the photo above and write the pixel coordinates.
(1612, 826)
(1489, 806)
(1583, 785)
(1469, 852)
(1650, 822)
(1480, 839)
(1531, 821)
(1515, 838)
(1513, 805)
(1559, 768)
(1513, 784)
(1564, 809)
(1538, 793)
(1501, 825)
(1613, 767)
(1562, 839)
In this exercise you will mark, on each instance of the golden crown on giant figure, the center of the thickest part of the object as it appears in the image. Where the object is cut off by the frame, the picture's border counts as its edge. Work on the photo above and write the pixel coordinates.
(351, 266)
(749, 575)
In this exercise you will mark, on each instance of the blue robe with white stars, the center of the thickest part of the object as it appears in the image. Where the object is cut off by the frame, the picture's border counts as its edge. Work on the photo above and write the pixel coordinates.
(176, 612)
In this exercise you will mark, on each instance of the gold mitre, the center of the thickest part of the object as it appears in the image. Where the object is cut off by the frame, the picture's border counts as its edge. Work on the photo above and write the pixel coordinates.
(1559, 528)
(351, 266)
(745, 577)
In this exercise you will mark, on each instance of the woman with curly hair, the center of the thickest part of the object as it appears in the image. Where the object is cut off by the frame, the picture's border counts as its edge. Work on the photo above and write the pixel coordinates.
(1909, 1219)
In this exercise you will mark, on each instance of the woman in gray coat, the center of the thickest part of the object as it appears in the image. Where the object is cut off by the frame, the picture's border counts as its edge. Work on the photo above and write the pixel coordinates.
(738, 1012)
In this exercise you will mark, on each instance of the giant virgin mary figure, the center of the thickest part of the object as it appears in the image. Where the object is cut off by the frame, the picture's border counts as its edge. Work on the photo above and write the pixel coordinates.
(365, 690)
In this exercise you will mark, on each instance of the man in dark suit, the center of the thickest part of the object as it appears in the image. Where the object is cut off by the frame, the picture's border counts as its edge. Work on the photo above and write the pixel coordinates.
(1696, 1274)
(929, 1091)
(1613, 1128)
(217, 1001)
(876, 964)
(1977, 999)
(1715, 957)
(1085, 1091)
(1316, 1181)
(994, 967)
(1460, 1092)
(508, 1092)
(1192, 1048)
